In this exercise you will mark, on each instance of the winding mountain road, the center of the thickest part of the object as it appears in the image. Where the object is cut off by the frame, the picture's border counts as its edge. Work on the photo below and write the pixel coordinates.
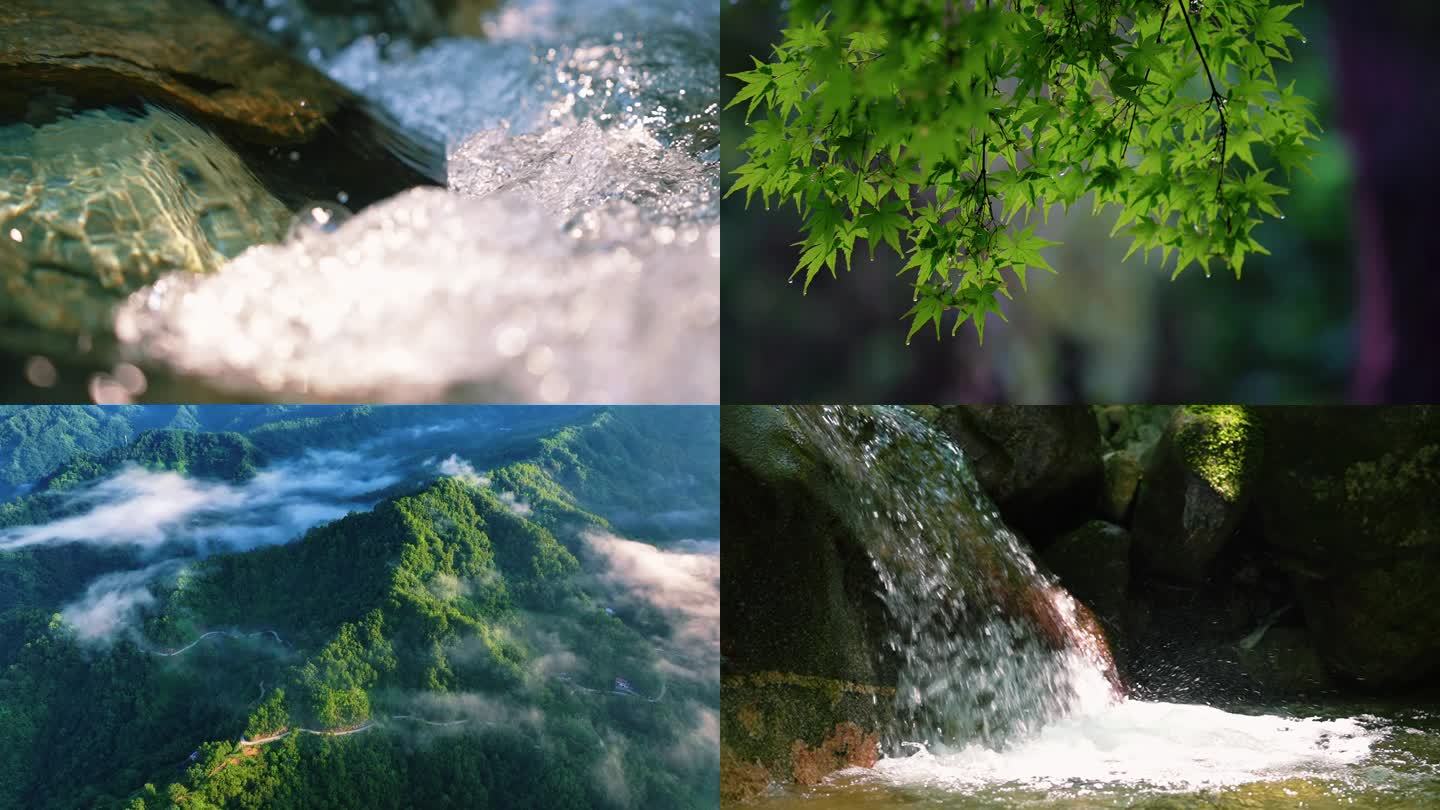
(620, 692)
(226, 633)
(341, 732)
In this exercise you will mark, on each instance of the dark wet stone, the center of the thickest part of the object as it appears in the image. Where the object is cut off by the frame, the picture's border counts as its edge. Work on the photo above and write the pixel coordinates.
(1093, 563)
(1349, 507)
(1040, 464)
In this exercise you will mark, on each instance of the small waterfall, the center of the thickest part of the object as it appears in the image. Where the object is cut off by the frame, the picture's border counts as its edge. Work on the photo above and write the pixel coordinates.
(990, 649)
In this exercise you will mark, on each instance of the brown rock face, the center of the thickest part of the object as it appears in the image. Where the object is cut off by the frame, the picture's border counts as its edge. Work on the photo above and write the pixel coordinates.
(849, 745)
(183, 53)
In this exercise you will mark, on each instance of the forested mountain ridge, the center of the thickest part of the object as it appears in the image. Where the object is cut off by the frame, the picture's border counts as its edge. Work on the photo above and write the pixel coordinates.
(36, 440)
(449, 647)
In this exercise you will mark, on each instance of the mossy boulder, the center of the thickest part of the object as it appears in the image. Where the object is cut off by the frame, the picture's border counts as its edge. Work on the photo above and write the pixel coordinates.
(1093, 563)
(802, 622)
(1199, 481)
(1349, 507)
(1041, 465)
(787, 727)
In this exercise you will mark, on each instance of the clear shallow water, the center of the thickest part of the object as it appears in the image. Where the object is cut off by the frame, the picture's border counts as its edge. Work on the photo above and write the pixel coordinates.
(575, 255)
(1166, 755)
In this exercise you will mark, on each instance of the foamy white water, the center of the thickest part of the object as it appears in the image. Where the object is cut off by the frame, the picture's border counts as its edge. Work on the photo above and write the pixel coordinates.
(1165, 746)
(430, 291)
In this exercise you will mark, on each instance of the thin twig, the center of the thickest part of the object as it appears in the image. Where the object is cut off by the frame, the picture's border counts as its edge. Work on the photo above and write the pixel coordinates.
(1218, 101)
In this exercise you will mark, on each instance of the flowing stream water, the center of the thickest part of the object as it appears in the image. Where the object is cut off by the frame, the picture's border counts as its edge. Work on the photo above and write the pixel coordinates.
(572, 254)
(1006, 694)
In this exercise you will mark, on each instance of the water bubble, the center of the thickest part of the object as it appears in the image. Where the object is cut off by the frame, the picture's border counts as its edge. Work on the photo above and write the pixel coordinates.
(317, 217)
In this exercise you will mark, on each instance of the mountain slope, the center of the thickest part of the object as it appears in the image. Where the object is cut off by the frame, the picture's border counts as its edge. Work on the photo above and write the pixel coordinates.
(445, 648)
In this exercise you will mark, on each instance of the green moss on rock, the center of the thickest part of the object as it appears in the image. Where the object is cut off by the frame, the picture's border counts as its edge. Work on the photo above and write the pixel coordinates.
(1221, 444)
(1199, 481)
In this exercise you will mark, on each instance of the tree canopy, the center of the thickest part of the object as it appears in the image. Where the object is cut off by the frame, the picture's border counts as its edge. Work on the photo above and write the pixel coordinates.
(944, 129)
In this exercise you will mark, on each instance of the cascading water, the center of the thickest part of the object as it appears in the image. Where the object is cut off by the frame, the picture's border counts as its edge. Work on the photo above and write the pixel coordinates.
(1005, 689)
(989, 647)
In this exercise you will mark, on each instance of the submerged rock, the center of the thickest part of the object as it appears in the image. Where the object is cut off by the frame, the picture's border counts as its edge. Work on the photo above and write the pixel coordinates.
(1196, 488)
(1040, 464)
(97, 205)
(1348, 502)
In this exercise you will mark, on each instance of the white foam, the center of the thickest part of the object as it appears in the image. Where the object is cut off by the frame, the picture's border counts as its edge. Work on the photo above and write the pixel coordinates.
(1165, 746)
(572, 169)
(431, 291)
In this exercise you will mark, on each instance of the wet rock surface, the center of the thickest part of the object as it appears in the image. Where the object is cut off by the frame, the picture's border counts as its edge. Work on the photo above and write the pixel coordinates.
(1093, 562)
(801, 617)
(184, 53)
(1040, 464)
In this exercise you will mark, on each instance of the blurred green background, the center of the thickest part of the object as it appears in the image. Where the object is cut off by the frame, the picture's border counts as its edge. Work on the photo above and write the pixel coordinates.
(1100, 330)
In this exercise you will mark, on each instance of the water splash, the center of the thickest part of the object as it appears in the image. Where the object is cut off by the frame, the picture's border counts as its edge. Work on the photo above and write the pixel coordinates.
(569, 170)
(428, 292)
(651, 65)
(989, 648)
(1157, 746)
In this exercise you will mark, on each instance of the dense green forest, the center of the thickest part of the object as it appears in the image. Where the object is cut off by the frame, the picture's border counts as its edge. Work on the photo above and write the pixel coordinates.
(451, 642)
